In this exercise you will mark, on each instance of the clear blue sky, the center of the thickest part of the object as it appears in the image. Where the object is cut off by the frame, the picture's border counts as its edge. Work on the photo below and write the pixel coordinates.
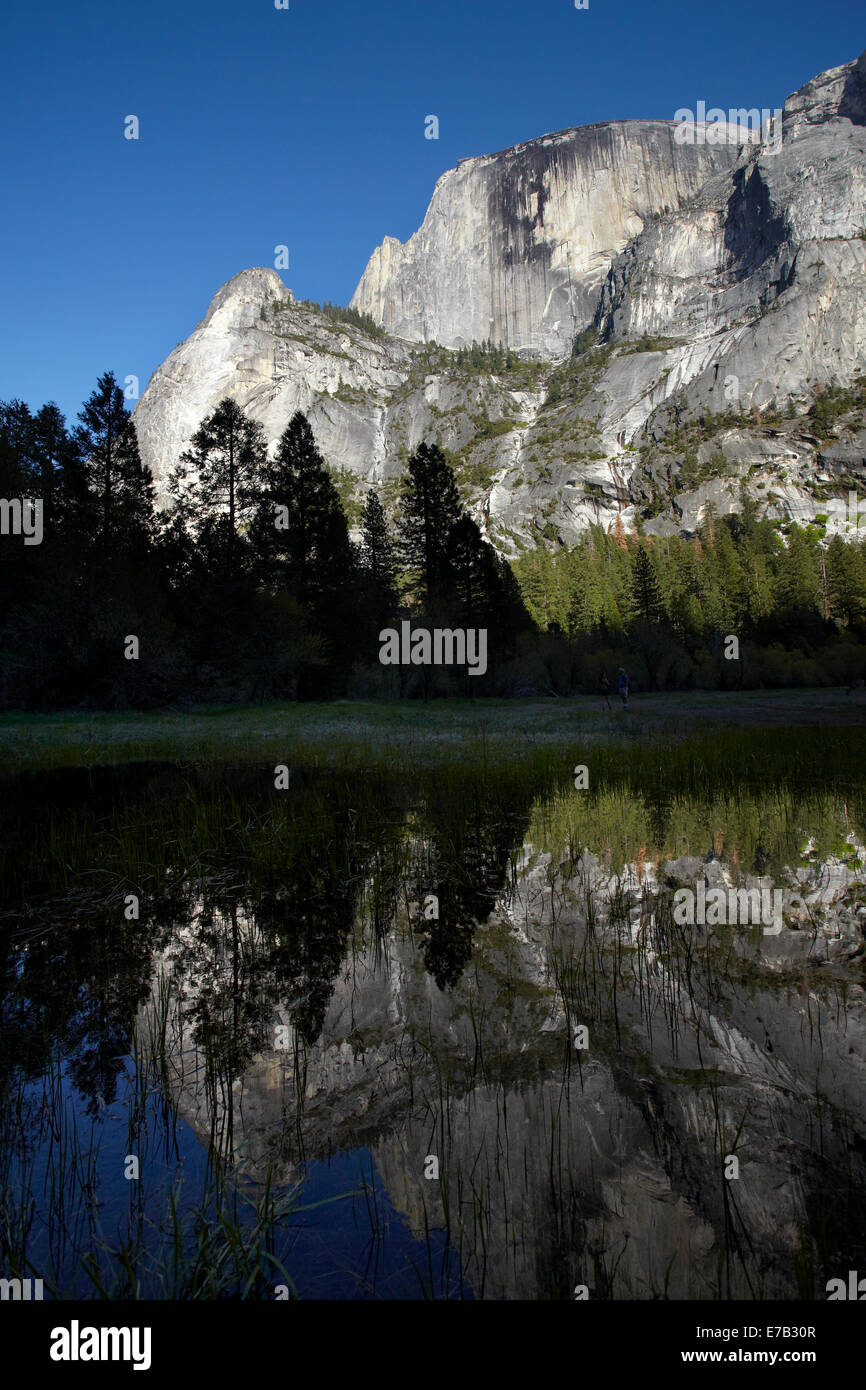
(306, 127)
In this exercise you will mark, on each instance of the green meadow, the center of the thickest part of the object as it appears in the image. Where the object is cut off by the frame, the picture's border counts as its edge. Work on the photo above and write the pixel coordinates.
(401, 733)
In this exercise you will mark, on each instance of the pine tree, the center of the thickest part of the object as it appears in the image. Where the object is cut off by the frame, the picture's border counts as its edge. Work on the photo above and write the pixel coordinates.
(758, 545)
(300, 537)
(683, 597)
(378, 598)
(430, 507)
(301, 527)
(59, 472)
(218, 483)
(378, 558)
(645, 593)
(474, 583)
(16, 449)
(730, 578)
(587, 613)
(798, 583)
(534, 571)
(113, 471)
(846, 566)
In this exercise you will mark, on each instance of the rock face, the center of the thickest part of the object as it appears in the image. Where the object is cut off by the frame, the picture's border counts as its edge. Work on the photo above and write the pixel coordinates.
(606, 1172)
(515, 245)
(747, 295)
(274, 357)
(764, 275)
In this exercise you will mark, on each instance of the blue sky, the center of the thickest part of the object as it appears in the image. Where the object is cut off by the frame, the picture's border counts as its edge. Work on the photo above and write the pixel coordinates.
(305, 127)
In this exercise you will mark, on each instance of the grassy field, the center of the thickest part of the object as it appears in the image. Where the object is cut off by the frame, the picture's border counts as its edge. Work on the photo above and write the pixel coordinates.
(403, 733)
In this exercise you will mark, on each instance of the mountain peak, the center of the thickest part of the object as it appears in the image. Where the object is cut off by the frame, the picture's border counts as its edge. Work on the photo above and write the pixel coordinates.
(248, 285)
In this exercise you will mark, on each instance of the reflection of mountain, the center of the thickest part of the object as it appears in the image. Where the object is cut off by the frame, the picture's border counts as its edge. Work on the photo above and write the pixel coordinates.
(454, 1036)
(605, 1167)
(251, 897)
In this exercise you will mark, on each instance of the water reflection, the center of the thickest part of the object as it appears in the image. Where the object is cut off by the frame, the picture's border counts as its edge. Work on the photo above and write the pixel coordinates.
(396, 973)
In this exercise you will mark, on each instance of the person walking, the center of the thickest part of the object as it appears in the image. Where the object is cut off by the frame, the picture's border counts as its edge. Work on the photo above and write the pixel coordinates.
(604, 686)
(622, 687)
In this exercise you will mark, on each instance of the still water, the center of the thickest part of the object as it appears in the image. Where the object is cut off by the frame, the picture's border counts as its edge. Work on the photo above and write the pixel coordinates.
(438, 1036)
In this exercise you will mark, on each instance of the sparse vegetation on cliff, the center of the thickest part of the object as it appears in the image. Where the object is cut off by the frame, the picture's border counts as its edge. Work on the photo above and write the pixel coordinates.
(336, 313)
(833, 402)
(576, 376)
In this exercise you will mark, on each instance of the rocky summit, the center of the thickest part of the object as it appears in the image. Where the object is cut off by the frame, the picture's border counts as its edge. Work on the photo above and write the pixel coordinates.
(675, 320)
(515, 246)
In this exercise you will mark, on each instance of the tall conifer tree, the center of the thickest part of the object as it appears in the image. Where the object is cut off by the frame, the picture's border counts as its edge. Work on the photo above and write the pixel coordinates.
(645, 593)
(429, 508)
(117, 480)
(218, 483)
(301, 532)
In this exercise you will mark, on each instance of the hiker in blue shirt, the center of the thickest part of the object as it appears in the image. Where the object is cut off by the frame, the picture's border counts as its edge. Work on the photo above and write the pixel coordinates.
(622, 687)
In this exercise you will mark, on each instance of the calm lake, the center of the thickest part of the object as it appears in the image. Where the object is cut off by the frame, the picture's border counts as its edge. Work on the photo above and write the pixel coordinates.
(434, 1035)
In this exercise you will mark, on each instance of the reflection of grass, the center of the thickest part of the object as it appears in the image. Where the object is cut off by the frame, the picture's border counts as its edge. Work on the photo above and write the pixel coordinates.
(405, 733)
(490, 1081)
(222, 1242)
(750, 794)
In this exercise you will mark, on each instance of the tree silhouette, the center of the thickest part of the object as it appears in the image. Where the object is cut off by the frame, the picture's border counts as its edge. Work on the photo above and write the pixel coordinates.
(430, 507)
(112, 468)
(300, 537)
(218, 482)
(378, 553)
(301, 533)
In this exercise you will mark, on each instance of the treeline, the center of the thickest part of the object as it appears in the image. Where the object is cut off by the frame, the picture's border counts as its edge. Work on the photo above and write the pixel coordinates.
(246, 587)
(339, 313)
(487, 357)
(663, 608)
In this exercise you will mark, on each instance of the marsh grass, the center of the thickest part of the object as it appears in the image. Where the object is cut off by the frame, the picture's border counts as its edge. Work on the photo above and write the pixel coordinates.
(337, 862)
(174, 1237)
(403, 735)
(143, 828)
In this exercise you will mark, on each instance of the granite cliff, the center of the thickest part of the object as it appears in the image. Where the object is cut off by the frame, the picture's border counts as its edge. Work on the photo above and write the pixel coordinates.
(605, 1170)
(515, 246)
(705, 281)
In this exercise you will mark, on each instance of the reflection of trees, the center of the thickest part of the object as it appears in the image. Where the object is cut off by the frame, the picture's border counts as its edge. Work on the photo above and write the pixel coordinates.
(73, 969)
(659, 804)
(259, 897)
(279, 933)
(73, 993)
(267, 924)
(220, 967)
(310, 924)
(471, 831)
